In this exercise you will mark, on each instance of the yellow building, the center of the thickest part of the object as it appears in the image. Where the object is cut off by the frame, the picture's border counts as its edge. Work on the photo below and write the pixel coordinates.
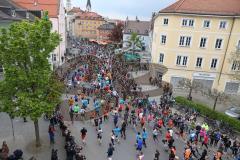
(86, 24)
(195, 39)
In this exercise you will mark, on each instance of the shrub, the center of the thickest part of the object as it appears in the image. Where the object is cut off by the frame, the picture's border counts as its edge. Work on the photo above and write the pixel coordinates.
(206, 111)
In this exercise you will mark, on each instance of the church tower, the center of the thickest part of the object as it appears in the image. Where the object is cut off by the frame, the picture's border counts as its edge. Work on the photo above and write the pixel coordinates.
(89, 6)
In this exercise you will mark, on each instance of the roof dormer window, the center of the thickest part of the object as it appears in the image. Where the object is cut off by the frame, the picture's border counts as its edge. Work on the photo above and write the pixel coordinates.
(27, 15)
(13, 12)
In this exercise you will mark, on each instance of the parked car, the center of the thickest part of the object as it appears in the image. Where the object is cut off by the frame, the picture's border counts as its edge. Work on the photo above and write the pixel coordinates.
(233, 112)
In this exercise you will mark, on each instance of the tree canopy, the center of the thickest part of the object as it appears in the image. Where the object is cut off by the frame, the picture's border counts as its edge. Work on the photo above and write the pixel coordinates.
(117, 33)
(29, 87)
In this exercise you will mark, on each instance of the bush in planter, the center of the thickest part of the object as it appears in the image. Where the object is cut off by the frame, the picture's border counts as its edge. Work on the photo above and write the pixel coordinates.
(206, 111)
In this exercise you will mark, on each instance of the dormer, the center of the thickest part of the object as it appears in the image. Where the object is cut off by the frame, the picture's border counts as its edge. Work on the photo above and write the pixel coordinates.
(13, 13)
(27, 15)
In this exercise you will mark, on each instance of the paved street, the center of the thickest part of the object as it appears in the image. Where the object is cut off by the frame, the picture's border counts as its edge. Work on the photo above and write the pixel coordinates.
(25, 137)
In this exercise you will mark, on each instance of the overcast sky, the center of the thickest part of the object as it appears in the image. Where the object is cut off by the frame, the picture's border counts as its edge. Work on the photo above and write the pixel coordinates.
(122, 8)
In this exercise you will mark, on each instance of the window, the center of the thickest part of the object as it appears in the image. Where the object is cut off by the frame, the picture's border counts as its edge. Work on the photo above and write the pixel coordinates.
(238, 45)
(214, 63)
(27, 15)
(163, 39)
(191, 22)
(199, 62)
(165, 21)
(184, 22)
(223, 25)
(54, 57)
(218, 44)
(231, 87)
(161, 57)
(181, 60)
(184, 62)
(178, 60)
(188, 41)
(206, 24)
(236, 66)
(185, 41)
(203, 42)
(13, 12)
(188, 22)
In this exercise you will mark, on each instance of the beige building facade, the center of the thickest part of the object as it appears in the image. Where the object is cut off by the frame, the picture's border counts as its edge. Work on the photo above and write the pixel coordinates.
(195, 40)
(86, 24)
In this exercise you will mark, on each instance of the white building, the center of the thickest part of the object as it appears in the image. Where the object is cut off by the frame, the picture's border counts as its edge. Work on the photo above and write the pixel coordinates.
(139, 27)
(56, 13)
(70, 20)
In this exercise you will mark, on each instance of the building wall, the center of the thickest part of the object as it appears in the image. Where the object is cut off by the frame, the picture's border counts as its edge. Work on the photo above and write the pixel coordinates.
(104, 34)
(59, 25)
(171, 48)
(87, 28)
(62, 31)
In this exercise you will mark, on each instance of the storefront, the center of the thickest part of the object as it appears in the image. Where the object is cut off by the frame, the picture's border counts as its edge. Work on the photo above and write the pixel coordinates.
(206, 79)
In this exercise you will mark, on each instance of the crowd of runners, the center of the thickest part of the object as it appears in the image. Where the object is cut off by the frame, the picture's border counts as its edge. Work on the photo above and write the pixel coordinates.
(161, 122)
(102, 77)
(141, 114)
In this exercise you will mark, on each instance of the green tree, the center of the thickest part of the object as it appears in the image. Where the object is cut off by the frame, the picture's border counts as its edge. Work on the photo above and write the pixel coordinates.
(135, 42)
(29, 88)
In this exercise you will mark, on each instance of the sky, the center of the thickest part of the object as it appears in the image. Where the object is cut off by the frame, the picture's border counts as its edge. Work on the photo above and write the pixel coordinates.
(120, 9)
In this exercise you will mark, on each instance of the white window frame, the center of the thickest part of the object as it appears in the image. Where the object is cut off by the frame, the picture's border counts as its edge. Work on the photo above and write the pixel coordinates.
(238, 45)
(27, 15)
(222, 43)
(216, 64)
(161, 58)
(226, 25)
(185, 38)
(162, 39)
(205, 21)
(187, 22)
(164, 21)
(205, 46)
(13, 13)
(182, 60)
(54, 57)
(235, 66)
(197, 62)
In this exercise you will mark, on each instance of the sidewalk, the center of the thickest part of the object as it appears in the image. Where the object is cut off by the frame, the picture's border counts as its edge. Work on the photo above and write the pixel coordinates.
(198, 97)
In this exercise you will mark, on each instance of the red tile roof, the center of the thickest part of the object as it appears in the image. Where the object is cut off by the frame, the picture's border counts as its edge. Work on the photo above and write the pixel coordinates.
(212, 7)
(89, 16)
(75, 10)
(52, 6)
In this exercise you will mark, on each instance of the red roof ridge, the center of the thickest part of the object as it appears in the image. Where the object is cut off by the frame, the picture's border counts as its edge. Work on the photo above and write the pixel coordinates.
(38, 3)
(180, 4)
(211, 7)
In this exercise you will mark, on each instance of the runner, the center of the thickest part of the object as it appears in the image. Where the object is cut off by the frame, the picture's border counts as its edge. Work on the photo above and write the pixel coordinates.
(83, 135)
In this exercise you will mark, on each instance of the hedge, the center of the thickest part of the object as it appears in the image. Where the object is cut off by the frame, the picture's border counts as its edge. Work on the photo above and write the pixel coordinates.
(206, 111)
